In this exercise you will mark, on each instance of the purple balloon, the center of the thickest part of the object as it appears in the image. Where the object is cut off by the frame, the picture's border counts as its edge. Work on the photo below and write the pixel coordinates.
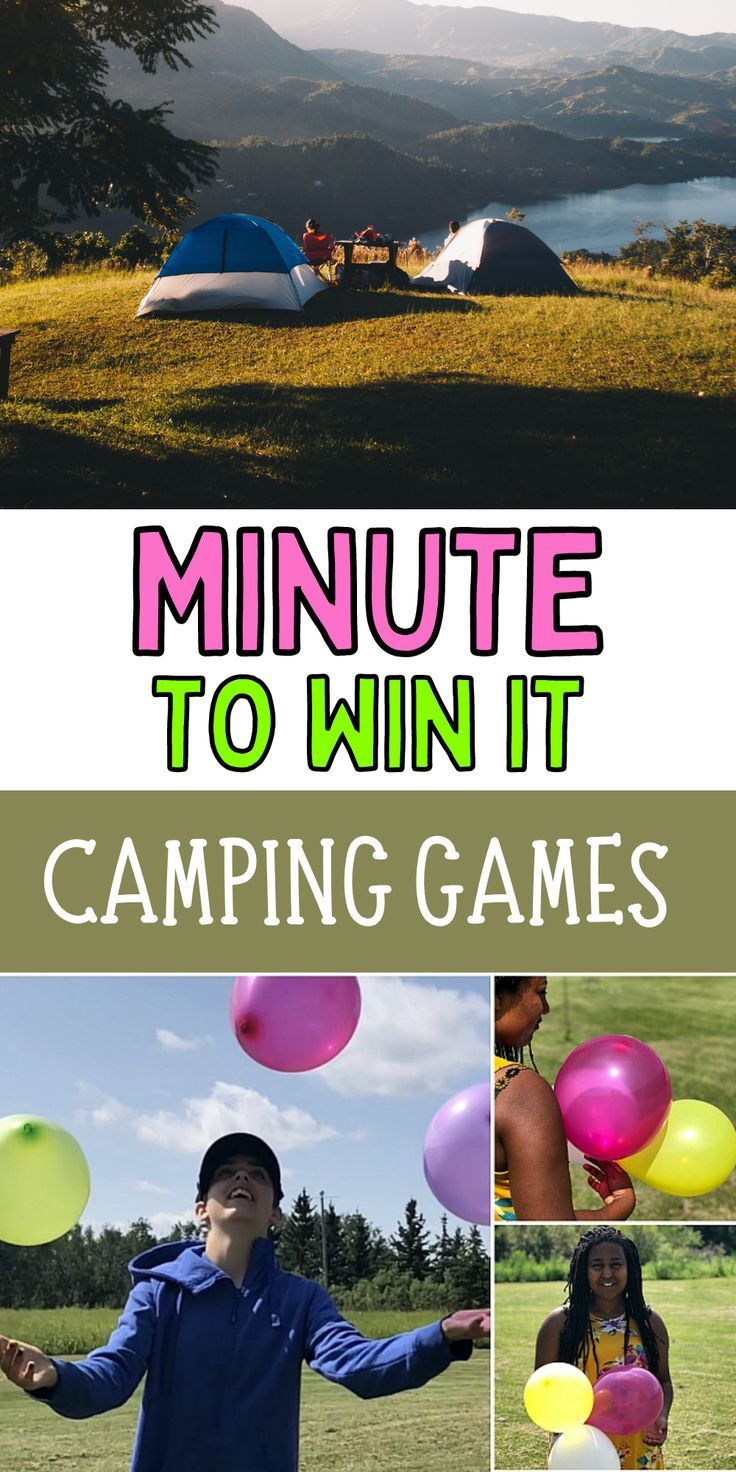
(457, 1154)
(293, 1023)
(615, 1094)
(625, 1400)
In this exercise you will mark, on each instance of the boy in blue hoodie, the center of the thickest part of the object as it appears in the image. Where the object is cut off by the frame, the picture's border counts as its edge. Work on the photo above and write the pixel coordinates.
(220, 1331)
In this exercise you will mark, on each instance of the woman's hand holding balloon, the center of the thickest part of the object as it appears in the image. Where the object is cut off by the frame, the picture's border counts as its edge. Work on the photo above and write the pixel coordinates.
(657, 1432)
(27, 1366)
(612, 1185)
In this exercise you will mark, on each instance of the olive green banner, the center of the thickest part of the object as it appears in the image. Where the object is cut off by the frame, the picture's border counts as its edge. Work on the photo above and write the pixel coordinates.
(389, 881)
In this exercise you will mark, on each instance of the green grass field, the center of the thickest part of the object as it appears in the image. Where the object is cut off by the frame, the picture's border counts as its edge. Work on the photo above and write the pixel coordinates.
(418, 1431)
(690, 1022)
(699, 1317)
(625, 393)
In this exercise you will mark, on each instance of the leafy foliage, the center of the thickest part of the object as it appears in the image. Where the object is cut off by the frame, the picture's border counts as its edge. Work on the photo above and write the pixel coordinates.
(697, 251)
(65, 147)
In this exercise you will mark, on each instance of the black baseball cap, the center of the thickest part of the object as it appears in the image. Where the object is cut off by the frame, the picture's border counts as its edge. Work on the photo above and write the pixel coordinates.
(228, 1146)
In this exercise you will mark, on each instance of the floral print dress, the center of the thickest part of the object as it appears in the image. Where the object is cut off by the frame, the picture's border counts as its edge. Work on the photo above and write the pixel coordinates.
(609, 1336)
(503, 1206)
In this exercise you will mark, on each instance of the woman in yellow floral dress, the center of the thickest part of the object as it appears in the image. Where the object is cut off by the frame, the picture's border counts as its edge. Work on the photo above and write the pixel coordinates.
(605, 1322)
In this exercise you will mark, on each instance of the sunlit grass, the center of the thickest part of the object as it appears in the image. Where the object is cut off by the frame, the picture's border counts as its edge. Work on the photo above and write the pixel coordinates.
(629, 385)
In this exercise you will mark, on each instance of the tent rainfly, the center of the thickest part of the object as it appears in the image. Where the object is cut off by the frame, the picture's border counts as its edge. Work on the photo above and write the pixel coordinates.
(232, 262)
(498, 258)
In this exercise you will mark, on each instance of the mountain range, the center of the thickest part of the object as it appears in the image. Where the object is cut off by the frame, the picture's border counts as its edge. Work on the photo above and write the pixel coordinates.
(408, 139)
(481, 33)
(246, 80)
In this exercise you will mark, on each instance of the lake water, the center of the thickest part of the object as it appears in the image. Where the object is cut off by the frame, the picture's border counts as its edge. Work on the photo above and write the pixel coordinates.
(605, 221)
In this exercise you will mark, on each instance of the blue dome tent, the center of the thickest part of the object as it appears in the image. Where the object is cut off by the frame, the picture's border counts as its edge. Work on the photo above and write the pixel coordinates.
(233, 261)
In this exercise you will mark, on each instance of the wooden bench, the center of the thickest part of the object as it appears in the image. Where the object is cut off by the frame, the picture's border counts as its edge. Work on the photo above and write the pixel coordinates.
(7, 338)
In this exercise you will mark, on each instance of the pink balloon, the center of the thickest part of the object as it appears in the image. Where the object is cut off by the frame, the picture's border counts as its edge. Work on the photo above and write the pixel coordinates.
(293, 1023)
(615, 1094)
(457, 1155)
(625, 1400)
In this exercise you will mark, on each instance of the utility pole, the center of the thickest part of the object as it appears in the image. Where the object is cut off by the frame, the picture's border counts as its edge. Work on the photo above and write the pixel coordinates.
(324, 1239)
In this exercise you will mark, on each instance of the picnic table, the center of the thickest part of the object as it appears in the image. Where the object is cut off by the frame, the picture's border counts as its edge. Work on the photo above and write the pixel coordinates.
(392, 248)
(7, 338)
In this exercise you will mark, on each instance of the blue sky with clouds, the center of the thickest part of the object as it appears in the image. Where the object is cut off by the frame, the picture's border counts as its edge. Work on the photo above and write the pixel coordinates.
(145, 1072)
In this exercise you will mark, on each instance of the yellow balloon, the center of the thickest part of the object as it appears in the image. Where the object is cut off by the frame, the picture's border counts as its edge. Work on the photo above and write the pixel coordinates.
(44, 1180)
(694, 1152)
(558, 1397)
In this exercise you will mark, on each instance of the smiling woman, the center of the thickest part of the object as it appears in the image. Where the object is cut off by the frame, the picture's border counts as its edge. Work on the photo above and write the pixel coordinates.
(532, 1176)
(605, 1325)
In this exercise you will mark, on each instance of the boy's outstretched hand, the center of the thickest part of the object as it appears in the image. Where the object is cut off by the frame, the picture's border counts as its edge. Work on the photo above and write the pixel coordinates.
(467, 1323)
(27, 1366)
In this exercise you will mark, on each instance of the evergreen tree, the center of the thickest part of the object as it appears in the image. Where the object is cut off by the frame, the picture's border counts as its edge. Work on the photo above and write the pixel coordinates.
(336, 1266)
(410, 1243)
(444, 1253)
(300, 1249)
(184, 1231)
(470, 1276)
(65, 146)
(361, 1246)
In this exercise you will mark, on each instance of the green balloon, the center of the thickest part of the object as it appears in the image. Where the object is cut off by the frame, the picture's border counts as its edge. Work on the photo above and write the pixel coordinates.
(44, 1180)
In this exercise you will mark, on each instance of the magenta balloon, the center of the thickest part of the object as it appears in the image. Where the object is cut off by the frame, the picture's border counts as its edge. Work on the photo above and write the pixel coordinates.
(457, 1154)
(625, 1401)
(293, 1023)
(615, 1094)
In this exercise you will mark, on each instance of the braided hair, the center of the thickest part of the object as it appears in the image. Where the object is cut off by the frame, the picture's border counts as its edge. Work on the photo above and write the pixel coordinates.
(577, 1333)
(503, 1050)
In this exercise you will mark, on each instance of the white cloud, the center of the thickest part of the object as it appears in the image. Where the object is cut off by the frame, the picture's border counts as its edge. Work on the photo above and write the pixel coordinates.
(150, 1189)
(413, 1038)
(97, 1107)
(172, 1043)
(226, 1108)
(163, 1221)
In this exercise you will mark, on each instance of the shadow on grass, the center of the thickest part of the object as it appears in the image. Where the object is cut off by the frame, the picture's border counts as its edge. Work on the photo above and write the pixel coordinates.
(330, 307)
(504, 445)
(79, 406)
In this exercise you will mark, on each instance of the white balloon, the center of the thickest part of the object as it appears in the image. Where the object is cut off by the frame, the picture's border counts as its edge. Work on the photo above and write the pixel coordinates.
(585, 1449)
(574, 1155)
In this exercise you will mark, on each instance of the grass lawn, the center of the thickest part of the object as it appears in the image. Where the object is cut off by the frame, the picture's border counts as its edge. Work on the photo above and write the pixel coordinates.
(418, 1431)
(622, 396)
(689, 1021)
(699, 1316)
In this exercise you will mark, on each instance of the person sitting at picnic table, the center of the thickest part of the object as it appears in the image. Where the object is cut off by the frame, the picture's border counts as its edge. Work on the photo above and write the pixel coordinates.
(319, 247)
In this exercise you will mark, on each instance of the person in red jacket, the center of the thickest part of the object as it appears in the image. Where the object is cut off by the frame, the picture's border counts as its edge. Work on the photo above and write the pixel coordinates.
(319, 247)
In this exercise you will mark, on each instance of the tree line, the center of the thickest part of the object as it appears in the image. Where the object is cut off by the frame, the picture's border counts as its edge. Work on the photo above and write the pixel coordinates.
(365, 1269)
(542, 1254)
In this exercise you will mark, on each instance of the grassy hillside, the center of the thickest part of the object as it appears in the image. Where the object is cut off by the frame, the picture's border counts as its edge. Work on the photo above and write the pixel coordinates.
(624, 394)
(687, 1020)
(699, 1317)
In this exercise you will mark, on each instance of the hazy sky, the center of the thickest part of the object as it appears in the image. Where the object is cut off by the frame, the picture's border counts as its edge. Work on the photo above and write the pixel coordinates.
(145, 1072)
(666, 15)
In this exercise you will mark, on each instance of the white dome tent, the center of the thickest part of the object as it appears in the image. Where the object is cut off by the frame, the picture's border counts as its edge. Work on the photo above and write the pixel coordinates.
(233, 262)
(498, 258)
